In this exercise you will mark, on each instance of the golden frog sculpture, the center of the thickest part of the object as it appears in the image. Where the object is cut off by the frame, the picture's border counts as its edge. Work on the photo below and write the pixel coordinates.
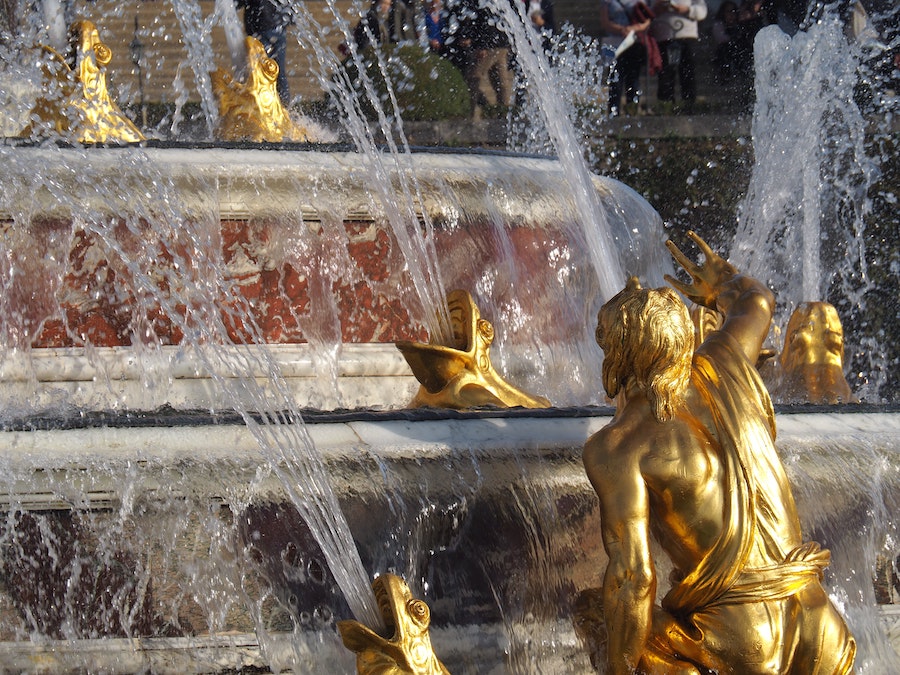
(408, 651)
(461, 375)
(252, 110)
(78, 105)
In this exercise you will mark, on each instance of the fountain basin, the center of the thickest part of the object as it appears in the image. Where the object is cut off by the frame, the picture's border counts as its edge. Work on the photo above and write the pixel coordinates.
(488, 514)
(159, 248)
(266, 213)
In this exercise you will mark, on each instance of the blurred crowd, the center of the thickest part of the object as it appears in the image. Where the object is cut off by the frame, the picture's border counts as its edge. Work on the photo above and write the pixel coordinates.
(662, 39)
(473, 35)
(657, 43)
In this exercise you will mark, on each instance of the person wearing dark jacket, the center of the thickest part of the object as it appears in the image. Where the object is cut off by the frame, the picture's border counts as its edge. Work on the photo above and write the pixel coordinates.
(387, 21)
(488, 74)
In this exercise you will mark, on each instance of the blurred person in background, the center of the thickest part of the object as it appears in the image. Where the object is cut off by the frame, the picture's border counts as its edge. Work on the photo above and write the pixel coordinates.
(676, 30)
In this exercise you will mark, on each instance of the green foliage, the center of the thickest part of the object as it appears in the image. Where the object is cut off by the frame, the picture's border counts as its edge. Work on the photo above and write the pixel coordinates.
(427, 86)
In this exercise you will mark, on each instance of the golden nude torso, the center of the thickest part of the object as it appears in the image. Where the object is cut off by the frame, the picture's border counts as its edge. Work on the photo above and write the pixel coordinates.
(681, 469)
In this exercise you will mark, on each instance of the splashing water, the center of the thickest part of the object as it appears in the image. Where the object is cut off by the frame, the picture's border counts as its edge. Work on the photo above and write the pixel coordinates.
(395, 194)
(172, 270)
(197, 36)
(527, 46)
(802, 224)
(412, 227)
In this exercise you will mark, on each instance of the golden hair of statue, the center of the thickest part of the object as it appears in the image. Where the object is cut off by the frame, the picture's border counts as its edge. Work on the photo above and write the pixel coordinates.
(408, 651)
(76, 104)
(690, 457)
(461, 375)
(812, 362)
(251, 110)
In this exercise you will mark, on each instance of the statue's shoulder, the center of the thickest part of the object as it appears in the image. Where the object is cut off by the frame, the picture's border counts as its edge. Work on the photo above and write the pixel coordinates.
(624, 439)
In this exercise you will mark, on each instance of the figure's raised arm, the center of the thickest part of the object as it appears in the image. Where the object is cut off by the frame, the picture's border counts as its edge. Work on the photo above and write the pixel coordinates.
(745, 302)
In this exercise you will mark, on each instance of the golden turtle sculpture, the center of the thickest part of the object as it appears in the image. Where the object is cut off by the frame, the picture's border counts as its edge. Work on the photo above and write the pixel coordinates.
(461, 375)
(408, 651)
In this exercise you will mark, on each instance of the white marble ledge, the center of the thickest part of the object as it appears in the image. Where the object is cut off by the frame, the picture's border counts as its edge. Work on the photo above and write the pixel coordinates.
(236, 442)
(819, 424)
(124, 363)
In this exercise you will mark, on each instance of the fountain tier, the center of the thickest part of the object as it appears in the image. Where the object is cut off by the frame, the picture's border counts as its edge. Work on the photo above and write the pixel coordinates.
(204, 565)
(161, 249)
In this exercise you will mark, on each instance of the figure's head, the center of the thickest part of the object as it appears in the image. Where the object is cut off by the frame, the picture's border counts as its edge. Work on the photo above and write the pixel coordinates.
(647, 336)
(814, 335)
(812, 363)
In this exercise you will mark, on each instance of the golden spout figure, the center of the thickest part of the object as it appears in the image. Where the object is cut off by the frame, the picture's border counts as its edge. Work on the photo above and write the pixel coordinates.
(408, 651)
(690, 456)
(78, 106)
(252, 110)
(812, 362)
(461, 375)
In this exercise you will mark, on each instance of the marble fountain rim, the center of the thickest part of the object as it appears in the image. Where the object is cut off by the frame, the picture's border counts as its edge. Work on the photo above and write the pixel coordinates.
(229, 176)
(796, 417)
(35, 448)
(289, 147)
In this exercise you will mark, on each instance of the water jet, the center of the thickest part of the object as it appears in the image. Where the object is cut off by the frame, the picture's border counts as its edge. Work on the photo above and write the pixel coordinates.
(179, 319)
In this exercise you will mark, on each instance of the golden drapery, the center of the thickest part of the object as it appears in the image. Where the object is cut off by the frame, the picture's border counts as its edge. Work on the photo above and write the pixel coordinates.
(758, 504)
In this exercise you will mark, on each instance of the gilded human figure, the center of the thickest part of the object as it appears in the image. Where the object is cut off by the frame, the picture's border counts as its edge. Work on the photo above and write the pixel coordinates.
(690, 457)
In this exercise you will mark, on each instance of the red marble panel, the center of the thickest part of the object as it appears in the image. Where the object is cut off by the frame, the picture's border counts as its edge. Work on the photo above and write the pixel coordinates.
(119, 282)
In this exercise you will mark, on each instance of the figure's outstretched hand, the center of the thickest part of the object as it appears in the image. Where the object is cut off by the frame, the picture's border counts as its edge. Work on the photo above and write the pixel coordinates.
(707, 279)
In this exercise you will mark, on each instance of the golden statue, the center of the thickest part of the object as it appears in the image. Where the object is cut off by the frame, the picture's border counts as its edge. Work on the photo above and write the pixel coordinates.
(812, 362)
(252, 110)
(708, 320)
(78, 106)
(690, 455)
(461, 375)
(408, 651)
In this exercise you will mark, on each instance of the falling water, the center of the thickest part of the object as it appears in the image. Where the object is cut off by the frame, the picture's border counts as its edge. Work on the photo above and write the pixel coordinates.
(234, 35)
(195, 280)
(802, 225)
(847, 488)
(530, 56)
(55, 24)
(574, 60)
(397, 202)
(196, 32)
